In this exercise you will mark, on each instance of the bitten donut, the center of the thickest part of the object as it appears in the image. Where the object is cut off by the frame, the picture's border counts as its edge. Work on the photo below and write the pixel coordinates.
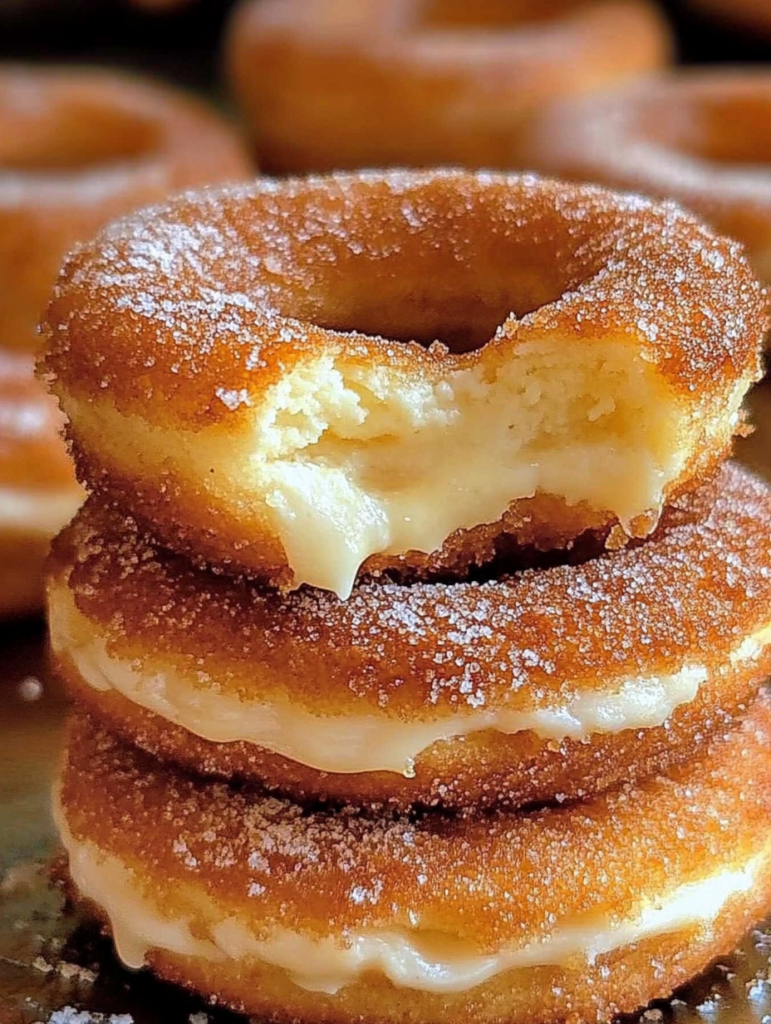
(700, 137)
(79, 147)
(329, 85)
(571, 913)
(553, 682)
(38, 490)
(251, 370)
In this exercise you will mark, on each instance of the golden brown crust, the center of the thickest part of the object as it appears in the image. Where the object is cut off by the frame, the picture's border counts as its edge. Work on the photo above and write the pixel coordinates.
(688, 596)
(444, 84)
(170, 311)
(179, 321)
(489, 880)
(79, 147)
(695, 136)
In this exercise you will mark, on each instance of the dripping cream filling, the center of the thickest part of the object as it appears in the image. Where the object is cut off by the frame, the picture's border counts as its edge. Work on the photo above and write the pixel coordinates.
(364, 742)
(347, 461)
(427, 962)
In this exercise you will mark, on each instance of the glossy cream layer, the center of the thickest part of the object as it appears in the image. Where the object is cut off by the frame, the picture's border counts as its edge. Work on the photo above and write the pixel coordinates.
(42, 512)
(361, 743)
(354, 463)
(409, 959)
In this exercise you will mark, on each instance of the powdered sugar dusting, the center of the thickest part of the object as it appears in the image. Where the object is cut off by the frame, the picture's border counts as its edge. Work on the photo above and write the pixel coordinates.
(692, 592)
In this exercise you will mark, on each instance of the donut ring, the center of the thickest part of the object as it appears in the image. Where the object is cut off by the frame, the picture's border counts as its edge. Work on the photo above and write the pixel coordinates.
(38, 490)
(512, 691)
(328, 85)
(699, 137)
(79, 147)
(203, 354)
(566, 913)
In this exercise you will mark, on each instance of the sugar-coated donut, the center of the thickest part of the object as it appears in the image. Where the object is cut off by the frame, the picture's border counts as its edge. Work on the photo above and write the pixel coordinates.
(754, 15)
(573, 912)
(553, 682)
(334, 84)
(697, 136)
(233, 369)
(38, 490)
(78, 147)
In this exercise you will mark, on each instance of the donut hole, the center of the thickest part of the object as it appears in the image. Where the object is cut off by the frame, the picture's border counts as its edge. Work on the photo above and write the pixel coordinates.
(461, 295)
(490, 14)
(82, 137)
(462, 323)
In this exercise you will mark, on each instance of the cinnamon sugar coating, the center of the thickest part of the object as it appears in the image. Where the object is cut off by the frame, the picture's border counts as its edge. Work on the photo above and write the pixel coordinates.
(490, 881)
(445, 84)
(685, 600)
(695, 136)
(173, 333)
(78, 147)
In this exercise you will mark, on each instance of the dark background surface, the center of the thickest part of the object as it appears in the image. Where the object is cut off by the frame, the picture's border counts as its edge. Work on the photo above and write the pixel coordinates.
(184, 44)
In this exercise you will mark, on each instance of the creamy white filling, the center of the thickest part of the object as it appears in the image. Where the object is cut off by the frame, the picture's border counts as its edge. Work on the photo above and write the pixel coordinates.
(425, 961)
(342, 462)
(353, 465)
(364, 743)
(41, 512)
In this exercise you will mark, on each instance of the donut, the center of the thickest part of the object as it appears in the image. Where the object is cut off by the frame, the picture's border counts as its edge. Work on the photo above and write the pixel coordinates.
(575, 912)
(696, 136)
(344, 84)
(552, 682)
(749, 15)
(38, 490)
(254, 370)
(79, 147)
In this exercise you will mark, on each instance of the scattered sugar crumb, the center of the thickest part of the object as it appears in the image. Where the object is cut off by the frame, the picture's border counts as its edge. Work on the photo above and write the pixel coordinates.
(69, 1015)
(30, 689)
(710, 1004)
(74, 972)
(756, 988)
(19, 878)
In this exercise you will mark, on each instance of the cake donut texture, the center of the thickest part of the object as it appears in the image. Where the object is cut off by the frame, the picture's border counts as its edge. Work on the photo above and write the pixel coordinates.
(549, 683)
(255, 371)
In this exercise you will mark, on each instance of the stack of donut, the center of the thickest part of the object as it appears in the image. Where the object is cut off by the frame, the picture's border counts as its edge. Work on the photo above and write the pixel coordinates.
(415, 622)
(77, 148)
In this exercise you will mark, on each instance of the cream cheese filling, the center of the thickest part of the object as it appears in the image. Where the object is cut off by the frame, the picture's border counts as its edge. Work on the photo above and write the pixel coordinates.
(364, 743)
(428, 962)
(343, 461)
(42, 512)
